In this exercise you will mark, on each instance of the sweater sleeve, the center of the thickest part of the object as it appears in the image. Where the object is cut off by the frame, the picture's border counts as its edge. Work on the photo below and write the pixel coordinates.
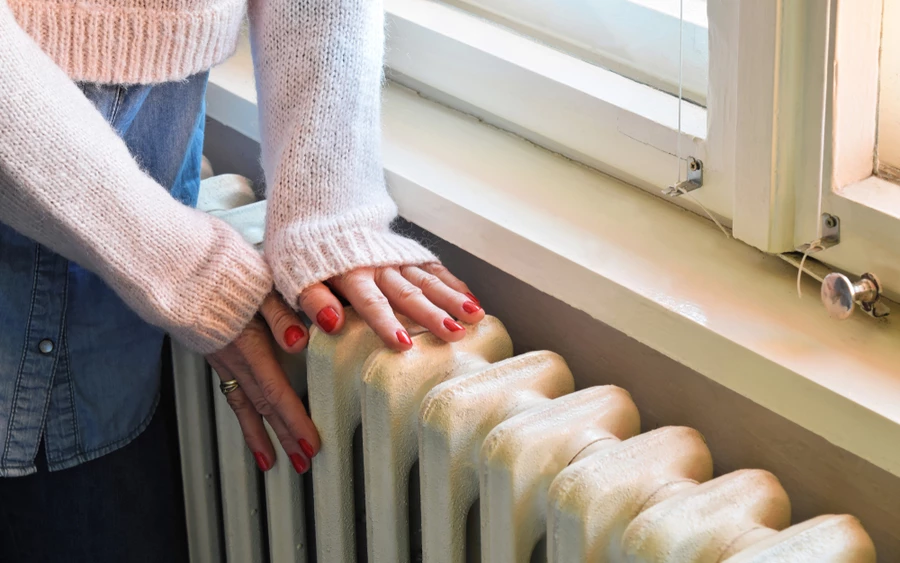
(318, 72)
(68, 181)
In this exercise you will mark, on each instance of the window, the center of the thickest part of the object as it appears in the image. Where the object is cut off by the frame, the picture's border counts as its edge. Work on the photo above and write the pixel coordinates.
(591, 84)
(792, 107)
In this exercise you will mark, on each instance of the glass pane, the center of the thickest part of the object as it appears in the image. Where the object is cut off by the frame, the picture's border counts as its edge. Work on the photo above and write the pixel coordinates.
(635, 38)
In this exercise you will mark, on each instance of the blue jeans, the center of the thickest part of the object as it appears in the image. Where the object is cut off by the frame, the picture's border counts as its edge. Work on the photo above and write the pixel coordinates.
(84, 473)
(125, 507)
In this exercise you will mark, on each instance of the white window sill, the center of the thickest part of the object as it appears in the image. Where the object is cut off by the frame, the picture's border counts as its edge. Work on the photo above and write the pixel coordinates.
(659, 274)
(875, 193)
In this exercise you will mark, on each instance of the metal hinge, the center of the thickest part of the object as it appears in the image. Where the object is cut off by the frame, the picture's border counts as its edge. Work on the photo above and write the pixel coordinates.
(694, 179)
(831, 235)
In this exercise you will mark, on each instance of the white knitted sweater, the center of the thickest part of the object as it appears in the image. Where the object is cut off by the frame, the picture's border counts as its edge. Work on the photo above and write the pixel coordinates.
(68, 181)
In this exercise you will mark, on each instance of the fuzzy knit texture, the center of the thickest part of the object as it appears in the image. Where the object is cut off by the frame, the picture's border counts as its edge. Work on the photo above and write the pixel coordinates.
(68, 181)
(328, 208)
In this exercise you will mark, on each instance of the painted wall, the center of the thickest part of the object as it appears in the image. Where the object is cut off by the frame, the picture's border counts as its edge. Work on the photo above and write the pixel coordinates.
(819, 477)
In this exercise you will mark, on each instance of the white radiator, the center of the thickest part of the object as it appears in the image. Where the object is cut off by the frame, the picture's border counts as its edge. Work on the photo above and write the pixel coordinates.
(463, 452)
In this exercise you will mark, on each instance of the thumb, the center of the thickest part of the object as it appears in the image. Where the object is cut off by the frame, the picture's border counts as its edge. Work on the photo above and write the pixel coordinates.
(286, 326)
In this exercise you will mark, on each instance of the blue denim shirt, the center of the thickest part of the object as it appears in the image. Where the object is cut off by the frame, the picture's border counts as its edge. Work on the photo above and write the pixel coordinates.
(78, 369)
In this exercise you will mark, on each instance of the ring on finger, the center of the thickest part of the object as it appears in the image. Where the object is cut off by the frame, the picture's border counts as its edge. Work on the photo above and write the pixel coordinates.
(228, 386)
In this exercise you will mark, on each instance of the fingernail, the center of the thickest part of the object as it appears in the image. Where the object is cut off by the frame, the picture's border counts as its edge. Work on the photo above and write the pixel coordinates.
(403, 338)
(295, 333)
(327, 319)
(307, 448)
(473, 298)
(471, 307)
(452, 325)
(261, 461)
(300, 463)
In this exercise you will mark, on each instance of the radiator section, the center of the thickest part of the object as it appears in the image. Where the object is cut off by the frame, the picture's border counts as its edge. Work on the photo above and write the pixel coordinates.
(454, 420)
(393, 387)
(825, 539)
(594, 499)
(521, 457)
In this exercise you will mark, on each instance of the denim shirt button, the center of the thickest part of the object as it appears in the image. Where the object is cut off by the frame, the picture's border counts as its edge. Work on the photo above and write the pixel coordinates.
(45, 346)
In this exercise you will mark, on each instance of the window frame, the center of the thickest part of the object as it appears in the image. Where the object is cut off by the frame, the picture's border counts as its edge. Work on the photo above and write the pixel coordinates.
(592, 115)
(841, 46)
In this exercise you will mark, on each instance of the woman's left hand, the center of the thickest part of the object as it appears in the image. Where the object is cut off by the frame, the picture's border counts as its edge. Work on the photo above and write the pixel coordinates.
(429, 295)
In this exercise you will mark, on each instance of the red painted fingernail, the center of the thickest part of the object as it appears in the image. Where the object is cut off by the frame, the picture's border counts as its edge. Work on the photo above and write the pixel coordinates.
(452, 325)
(262, 462)
(307, 448)
(295, 333)
(327, 319)
(471, 307)
(473, 298)
(300, 463)
(403, 338)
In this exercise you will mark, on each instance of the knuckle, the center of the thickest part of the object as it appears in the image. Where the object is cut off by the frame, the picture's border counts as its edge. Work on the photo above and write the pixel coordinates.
(272, 392)
(408, 292)
(429, 282)
(307, 300)
(373, 300)
(237, 402)
(262, 407)
(280, 317)
(438, 269)
(356, 275)
(284, 437)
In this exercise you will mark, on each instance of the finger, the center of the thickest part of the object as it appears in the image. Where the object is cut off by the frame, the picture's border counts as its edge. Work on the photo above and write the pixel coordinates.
(359, 288)
(251, 424)
(442, 273)
(274, 393)
(435, 290)
(299, 458)
(321, 305)
(412, 302)
(285, 325)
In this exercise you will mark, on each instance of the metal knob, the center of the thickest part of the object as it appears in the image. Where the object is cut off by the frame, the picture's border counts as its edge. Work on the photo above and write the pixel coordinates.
(839, 294)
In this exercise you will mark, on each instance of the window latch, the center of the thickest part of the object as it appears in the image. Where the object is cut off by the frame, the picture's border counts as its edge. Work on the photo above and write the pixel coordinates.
(839, 295)
(694, 179)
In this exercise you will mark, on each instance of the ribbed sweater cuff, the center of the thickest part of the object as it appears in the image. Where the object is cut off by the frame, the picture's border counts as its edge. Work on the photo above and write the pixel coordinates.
(227, 297)
(131, 45)
(302, 255)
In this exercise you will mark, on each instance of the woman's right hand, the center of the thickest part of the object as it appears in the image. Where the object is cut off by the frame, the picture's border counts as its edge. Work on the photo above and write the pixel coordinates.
(264, 391)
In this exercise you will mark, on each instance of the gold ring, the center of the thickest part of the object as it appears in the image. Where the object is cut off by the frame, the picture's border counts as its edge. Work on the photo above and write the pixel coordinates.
(228, 386)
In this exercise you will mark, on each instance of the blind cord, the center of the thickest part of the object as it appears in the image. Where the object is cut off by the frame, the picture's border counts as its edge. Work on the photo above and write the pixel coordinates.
(678, 137)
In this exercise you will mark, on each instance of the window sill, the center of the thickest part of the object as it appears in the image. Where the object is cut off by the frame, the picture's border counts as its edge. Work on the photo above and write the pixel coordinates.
(659, 274)
(875, 193)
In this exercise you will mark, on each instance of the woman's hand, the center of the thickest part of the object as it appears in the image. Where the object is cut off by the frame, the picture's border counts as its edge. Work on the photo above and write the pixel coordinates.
(429, 295)
(263, 388)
